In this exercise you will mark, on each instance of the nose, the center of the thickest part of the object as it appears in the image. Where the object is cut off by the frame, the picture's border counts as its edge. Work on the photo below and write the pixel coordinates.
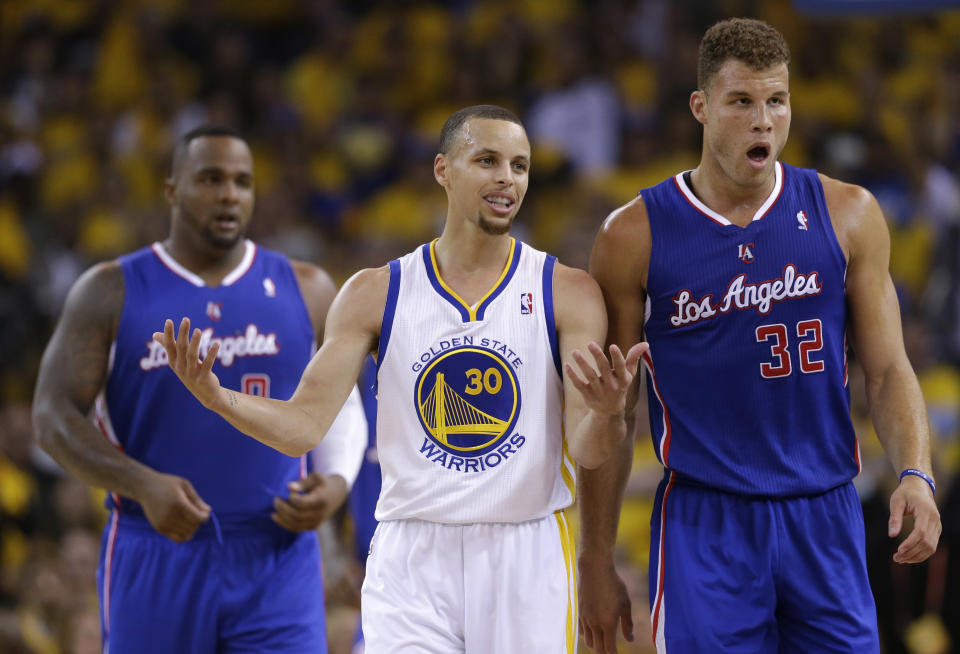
(228, 192)
(503, 174)
(762, 120)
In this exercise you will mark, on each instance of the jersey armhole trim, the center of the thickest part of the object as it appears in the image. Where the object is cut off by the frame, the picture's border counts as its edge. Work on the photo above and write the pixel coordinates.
(548, 313)
(389, 311)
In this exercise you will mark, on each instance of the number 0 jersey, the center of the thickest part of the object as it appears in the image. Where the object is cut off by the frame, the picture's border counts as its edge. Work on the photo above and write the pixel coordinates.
(747, 370)
(469, 424)
(266, 340)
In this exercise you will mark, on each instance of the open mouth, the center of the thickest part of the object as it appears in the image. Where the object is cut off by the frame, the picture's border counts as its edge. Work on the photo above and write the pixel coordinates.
(758, 154)
(499, 203)
(226, 221)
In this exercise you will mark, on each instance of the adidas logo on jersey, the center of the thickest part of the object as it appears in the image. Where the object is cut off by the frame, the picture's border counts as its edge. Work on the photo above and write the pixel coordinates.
(250, 344)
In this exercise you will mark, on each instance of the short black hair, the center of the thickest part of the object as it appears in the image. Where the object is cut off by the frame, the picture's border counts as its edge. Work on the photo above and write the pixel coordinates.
(448, 134)
(753, 42)
(183, 143)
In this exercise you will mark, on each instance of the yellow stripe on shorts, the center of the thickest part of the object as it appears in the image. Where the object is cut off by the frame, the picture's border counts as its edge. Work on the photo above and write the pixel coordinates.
(567, 544)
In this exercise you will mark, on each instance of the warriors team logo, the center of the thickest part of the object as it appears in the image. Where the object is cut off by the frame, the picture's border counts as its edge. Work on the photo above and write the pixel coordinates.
(468, 400)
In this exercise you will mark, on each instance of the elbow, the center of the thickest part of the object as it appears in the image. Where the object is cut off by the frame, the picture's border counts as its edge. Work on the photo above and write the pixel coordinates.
(43, 431)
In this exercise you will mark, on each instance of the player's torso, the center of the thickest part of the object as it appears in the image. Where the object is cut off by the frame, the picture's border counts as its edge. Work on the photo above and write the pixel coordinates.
(747, 334)
(469, 427)
(266, 340)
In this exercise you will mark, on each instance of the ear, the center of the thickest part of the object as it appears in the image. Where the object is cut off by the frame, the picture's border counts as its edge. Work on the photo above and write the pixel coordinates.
(698, 106)
(169, 190)
(440, 170)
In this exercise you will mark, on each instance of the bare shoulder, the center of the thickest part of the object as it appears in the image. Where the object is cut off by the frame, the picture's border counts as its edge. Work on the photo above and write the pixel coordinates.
(628, 223)
(97, 296)
(578, 301)
(621, 251)
(574, 285)
(360, 303)
(854, 212)
(313, 279)
(318, 290)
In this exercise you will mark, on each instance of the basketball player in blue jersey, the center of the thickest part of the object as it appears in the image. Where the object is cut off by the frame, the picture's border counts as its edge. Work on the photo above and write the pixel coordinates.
(748, 277)
(478, 429)
(210, 546)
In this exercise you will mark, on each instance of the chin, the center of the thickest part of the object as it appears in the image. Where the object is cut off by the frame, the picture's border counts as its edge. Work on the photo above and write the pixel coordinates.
(494, 229)
(223, 242)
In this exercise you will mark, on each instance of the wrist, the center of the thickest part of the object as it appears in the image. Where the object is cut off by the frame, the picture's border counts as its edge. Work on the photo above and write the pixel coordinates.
(916, 472)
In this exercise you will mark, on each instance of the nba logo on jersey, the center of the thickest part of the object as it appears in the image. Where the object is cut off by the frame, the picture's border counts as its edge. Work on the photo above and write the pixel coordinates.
(745, 252)
(526, 304)
(214, 310)
(802, 219)
(269, 287)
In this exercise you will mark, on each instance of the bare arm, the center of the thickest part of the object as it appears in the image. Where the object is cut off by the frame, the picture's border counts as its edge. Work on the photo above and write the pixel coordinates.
(295, 426)
(619, 263)
(893, 393)
(338, 457)
(72, 372)
(595, 387)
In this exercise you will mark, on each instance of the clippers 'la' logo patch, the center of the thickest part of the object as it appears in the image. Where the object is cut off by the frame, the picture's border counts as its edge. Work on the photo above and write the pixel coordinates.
(468, 400)
(745, 252)
(214, 310)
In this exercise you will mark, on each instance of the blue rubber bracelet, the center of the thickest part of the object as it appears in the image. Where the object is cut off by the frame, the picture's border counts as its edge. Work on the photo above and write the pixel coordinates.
(920, 473)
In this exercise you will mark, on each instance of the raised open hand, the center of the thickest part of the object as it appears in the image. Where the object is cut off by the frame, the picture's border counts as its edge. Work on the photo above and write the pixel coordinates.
(183, 356)
(604, 388)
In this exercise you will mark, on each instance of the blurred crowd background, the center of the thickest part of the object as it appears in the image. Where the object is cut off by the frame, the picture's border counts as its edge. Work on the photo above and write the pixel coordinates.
(342, 103)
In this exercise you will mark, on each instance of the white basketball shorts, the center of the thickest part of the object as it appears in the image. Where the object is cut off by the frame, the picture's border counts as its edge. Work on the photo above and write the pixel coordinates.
(504, 588)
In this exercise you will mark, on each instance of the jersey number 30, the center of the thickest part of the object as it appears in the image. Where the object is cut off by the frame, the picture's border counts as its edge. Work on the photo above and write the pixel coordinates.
(810, 335)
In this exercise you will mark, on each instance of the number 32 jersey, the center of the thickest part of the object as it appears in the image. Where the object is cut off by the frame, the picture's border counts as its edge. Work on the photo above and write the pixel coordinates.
(747, 370)
(469, 424)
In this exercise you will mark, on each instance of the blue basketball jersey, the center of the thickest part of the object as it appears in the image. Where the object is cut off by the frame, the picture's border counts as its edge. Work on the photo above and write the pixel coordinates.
(747, 369)
(266, 339)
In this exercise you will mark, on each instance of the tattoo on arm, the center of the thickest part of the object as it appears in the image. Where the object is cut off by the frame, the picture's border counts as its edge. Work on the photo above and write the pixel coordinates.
(232, 399)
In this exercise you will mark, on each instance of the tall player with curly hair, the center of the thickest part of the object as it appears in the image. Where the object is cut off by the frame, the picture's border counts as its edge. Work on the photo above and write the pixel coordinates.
(749, 277)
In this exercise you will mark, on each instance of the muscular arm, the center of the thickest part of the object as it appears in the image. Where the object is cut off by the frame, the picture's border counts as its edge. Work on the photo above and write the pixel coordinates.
(893, 393)
(595, 387)
(338, 457)
(295, 426)
(619, 263)
(72, 372)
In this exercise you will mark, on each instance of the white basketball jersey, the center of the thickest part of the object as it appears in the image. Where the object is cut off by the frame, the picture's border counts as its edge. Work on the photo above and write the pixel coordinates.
(469, 420)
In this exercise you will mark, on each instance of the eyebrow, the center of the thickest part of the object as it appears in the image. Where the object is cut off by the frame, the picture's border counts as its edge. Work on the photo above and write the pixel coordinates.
(222, 171)
(748, 94)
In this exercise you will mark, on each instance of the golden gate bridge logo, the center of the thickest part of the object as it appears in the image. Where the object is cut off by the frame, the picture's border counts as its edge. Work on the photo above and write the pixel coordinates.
(468, 400)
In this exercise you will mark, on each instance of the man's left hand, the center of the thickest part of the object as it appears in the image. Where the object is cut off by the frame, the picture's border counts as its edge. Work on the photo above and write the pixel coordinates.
(913, 497)
(312, 500)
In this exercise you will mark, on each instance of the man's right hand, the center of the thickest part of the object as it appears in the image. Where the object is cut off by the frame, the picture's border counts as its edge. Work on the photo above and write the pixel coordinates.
(173, 507)
(603, 602)
(183, 357)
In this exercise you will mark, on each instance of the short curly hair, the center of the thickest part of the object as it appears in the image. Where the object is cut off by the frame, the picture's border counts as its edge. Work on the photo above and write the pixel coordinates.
(751, 41)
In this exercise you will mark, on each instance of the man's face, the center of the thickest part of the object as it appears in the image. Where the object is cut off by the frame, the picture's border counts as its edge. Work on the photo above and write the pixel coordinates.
(746, 119)
(212, 189)
(486, 173)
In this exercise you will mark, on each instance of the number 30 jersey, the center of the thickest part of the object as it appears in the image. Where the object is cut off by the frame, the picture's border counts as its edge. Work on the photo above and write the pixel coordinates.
(747, 370)
(469, 424)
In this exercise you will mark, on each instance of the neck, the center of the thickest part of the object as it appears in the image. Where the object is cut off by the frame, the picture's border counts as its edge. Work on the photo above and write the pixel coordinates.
(470, 249)
(726, 196)
(209, 263)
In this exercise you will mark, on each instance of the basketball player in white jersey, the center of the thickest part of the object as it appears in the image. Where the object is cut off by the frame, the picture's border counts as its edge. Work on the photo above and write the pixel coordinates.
(479, 432)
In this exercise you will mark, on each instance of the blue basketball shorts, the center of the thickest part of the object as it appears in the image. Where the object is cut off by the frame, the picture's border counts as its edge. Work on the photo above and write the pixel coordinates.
(730, 573)
(255, 588)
